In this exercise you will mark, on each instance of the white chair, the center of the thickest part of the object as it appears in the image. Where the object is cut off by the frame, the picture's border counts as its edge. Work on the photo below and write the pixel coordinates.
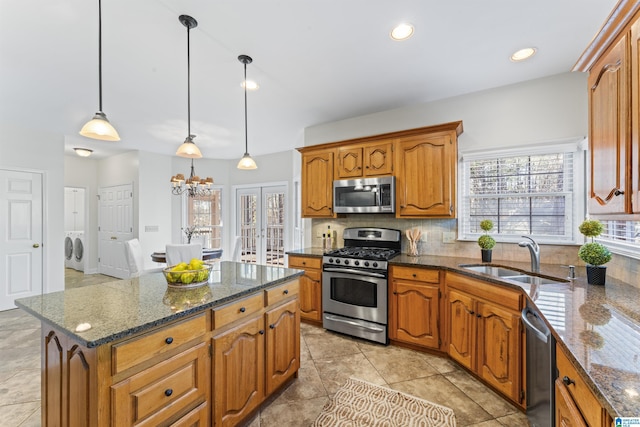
(133, 253)
(183, 253)
(237, 250)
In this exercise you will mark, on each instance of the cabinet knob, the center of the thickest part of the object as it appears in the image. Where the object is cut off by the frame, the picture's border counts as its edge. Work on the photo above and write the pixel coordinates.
(272, 326)
(242, 309)
(395, 292)
(567, 381)
(618, 192)
(261, 331)
(168, 392)
(286, 292)
(478, 315)
(168, 340)
(414, 275)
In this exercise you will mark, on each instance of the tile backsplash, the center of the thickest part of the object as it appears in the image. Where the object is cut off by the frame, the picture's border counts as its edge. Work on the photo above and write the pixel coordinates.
(620, 267)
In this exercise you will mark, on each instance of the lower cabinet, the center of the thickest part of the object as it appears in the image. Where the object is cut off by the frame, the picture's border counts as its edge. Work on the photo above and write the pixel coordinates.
(310, 287)
(484, 332)
(282, 344)
(575, 403)
(414, 306)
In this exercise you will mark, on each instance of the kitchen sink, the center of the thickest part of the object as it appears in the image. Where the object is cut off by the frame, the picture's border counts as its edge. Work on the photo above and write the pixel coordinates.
(509, 274)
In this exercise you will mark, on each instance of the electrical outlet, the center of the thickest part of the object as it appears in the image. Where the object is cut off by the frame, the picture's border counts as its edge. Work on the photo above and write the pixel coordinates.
(448, 237)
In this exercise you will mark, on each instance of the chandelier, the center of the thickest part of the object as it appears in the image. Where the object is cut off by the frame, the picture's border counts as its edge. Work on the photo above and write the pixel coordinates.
(194, 186)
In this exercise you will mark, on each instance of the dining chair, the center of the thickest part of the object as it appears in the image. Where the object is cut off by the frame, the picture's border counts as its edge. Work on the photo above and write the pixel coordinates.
(183, 253)
(237, 250)
(133, 253)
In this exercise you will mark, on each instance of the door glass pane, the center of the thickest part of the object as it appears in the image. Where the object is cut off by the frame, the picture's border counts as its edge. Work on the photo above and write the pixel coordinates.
(248, 224)
(204, 217)
(274, 216)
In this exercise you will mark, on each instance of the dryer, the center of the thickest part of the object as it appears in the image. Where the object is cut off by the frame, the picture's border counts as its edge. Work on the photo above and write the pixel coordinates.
(69, 262)
(78, 251)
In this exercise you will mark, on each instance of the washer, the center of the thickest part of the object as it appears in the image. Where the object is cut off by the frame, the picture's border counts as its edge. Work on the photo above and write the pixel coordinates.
(69, 262)
(78, 251)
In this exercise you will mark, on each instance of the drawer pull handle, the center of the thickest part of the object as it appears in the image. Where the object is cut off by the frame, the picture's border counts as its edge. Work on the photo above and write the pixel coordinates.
(567, 381)
(414, 274)
(168, 392)
(286, 292)
(242, 309)
(272, 326)
(168, 340)
(261, 331)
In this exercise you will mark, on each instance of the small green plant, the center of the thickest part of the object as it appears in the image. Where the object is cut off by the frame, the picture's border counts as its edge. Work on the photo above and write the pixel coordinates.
(592, 252)
(485, 241)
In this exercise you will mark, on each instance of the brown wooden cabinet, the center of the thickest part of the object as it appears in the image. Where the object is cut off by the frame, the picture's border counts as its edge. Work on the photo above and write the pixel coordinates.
(317, 184)
(310, 286)
(575, 403)
(484, 332)
(426, 169)
(282, 344)
(414, 306)
(357, 161)
(614, 113)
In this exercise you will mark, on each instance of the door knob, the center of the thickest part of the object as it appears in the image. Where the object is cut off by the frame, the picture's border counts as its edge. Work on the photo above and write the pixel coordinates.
(35, 245)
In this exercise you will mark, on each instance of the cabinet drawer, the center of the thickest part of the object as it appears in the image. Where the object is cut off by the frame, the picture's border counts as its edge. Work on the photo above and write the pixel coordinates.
(282, 292)
(411, 273)
(198, 417)
(162, 391)
(237, 310)
(500, 295)
(137, 350)
(589, 406)
(304, 262)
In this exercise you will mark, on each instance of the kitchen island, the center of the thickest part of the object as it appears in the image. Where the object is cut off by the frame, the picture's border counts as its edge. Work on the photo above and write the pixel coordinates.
(135, 352)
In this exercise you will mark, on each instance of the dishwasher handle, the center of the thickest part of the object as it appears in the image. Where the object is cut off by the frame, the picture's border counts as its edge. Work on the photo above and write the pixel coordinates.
(542, 335)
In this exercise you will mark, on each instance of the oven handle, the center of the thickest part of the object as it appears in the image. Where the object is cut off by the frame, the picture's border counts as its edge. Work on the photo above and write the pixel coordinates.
(354, 271)
(352, 323)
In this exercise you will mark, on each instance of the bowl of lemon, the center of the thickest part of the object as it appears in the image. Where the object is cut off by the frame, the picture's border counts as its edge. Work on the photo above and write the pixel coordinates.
(195, 273)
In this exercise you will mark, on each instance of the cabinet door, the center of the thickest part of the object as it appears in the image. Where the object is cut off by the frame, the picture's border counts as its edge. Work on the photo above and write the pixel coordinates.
(461, 327)
(414, 313)
(238, 372)
(635, 115)
(567, 414)
(283, 344)
(317, 184)
(609, 131)
(349, 162)
(378, 159)
(426, 176)
(499, 348)
(311, 295)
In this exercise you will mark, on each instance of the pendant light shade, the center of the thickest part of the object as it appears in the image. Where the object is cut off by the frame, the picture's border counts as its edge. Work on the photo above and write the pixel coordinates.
(188, 148)
(99, 127)
(246, 162)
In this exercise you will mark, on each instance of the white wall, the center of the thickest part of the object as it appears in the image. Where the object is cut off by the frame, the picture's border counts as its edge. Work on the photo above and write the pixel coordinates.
(26, 149)
(531, 112)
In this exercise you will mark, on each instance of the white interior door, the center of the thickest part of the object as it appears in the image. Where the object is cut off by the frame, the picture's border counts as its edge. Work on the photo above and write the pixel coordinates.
(115, 226)
(20, 236)
(261, 224)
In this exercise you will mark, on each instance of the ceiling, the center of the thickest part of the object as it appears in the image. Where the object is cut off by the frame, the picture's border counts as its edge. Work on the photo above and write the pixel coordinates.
(316, 61)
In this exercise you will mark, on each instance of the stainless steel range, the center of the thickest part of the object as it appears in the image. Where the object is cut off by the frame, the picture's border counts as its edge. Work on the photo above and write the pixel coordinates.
(354, 283)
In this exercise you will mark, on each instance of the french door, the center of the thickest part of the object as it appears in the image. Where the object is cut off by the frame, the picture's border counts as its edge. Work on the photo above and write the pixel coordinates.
(261, 224)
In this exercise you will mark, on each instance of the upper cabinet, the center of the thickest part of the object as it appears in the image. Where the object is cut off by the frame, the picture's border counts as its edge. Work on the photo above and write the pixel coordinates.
(614, 113)
(423, 160)
(357, 161)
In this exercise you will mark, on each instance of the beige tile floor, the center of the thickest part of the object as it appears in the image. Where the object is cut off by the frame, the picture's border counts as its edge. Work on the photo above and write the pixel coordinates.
(327, 360)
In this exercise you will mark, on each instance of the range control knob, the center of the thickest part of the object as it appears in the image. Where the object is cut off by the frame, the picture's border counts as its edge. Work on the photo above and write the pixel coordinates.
(330, 260)
(375, 264)
(337, 261)
(357, 263)
(346, 262)
(366, 263)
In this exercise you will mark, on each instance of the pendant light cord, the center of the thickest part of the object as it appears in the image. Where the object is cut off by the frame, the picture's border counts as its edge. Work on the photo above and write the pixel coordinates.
(246, 137)
(100, 55)
(188, 85)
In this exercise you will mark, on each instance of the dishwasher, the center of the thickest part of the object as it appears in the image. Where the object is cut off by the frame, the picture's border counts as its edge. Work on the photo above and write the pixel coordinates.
(541, 371)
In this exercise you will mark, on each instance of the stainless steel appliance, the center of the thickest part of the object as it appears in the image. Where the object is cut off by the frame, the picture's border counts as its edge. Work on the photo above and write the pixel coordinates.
(354, 283)
(541, 373)
(365, 195)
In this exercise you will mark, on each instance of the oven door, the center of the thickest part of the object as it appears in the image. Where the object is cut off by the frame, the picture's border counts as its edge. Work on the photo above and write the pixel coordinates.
(355, 294)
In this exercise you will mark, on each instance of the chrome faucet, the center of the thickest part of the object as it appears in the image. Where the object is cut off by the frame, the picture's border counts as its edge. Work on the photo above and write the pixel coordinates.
(534, 249)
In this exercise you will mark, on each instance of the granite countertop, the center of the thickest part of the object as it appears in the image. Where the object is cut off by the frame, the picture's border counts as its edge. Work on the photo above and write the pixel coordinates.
(124, 307)
(598, 326)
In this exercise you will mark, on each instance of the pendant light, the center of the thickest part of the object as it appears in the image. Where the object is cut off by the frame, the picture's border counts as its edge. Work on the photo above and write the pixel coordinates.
(188, 148)
(246, 162)
(99, 127)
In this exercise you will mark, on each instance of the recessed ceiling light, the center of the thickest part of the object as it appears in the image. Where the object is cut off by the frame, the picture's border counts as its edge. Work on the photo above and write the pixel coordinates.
(251, 85)
(83, 152)
(523, 54)
(402, 32)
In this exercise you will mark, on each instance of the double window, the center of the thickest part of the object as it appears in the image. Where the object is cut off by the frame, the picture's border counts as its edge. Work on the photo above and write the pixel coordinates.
(528, 192)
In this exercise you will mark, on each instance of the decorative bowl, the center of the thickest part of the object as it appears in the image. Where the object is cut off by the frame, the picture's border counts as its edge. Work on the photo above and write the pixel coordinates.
(187, 278)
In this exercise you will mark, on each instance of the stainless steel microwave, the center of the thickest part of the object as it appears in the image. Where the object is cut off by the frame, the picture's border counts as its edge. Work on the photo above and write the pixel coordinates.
(365, 195)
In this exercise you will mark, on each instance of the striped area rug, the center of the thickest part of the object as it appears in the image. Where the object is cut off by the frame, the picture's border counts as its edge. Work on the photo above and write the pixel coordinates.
(358, 403)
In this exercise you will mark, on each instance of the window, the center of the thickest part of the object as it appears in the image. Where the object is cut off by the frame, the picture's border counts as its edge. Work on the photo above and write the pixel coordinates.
(523, 193)
(622, 237)
(204, 213)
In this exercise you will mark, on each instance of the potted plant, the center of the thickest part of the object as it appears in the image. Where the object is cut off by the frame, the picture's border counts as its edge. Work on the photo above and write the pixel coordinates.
(594, 254)
(485, 241)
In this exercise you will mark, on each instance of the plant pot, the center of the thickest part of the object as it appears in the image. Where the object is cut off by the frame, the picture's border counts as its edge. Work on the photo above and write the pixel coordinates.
(486, 255)
(596, 274)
